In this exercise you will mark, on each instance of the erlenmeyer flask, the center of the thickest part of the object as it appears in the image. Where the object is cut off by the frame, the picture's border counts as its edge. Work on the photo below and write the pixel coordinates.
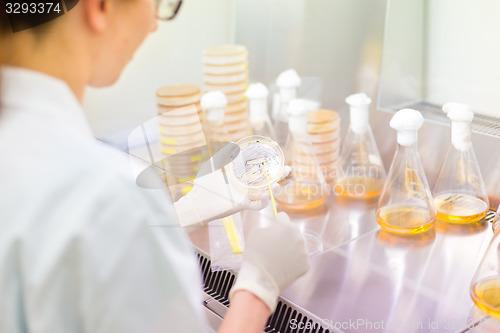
(305, 188)
(485, 285)
(256, 95)
(460, 194)
(287, 83)
(362, 172)
(405, 205)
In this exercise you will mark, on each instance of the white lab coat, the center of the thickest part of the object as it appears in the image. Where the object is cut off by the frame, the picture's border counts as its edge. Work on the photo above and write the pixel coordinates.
(82, 247)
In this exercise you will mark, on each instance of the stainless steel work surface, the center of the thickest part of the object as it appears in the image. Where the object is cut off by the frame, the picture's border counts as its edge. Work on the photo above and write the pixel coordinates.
(367, 280)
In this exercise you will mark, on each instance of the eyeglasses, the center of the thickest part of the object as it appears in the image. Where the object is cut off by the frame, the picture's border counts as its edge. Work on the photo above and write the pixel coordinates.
(166, 10)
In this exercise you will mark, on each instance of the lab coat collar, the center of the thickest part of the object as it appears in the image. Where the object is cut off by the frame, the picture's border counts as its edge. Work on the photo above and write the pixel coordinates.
(33, 92)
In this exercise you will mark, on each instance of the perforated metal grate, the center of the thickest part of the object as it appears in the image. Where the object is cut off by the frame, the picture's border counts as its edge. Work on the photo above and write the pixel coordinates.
(481, 123)
(218, 284)
(490, 216)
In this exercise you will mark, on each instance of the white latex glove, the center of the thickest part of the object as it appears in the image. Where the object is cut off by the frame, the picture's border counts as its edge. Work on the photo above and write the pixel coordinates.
(213, 197)
(274, 257)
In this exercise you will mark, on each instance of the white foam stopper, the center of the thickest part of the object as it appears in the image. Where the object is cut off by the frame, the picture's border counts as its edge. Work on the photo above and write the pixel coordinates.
(297, 114)
(461, 117)
(213, 103)
(288, 79)
(358, 112)
(257, 91)
(407, 122)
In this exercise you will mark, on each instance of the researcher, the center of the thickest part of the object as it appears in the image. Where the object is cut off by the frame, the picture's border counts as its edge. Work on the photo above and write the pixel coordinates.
(82, 247)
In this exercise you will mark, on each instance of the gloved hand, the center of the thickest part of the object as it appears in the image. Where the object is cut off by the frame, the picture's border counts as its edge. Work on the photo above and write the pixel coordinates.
(213, 196)
(274, 257)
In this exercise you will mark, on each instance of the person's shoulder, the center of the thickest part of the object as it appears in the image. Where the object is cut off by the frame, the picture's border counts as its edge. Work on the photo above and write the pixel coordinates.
(111, 173)
(94, 182)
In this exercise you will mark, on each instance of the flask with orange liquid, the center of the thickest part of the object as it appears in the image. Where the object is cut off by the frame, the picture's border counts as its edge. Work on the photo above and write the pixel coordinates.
(485, 285)
(405, 205)
(305, 188)
(460, 194)
(362, 172)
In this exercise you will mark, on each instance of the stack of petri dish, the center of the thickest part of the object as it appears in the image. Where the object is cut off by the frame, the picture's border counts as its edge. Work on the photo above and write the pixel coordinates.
(181, 135)
(323, 128)
(225, 68)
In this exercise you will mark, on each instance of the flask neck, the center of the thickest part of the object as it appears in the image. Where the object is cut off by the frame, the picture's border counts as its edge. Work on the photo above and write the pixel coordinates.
(297, 124)
(258, 110)
(407, 152)
(287, 94)
(359, 118)
(408, 148)
(407, 138)
(461, 135)
(214, 116)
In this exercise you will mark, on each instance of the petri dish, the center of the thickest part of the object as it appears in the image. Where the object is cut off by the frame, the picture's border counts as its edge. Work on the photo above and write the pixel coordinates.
(171, 149)
(177, 95)
(225, 54)
(323, 127)
(190, 119)
(227, 88)
(186, 130)
(180, 139)
(225, 79)
(236, 97)
(328, 146)
(236, 107)
(247, 171)
(322, 121)
(322, 116)
(225, 69)
(234, 117)
(178, 111)
(323, 137)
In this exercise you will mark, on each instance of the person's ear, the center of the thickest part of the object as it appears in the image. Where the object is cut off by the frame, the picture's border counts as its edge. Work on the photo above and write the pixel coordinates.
(96, 14)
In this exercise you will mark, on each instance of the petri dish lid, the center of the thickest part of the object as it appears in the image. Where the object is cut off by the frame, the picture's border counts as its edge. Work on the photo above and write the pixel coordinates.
(181, 139)
(225, 50)
(176, 149)
(237, 97)
(178, 95)
(247, 169)
(178, 111)
(225, 69)
(323, 137)
(186, 130)
(322, 116)
(178, 90)
(326, 146)
(168, 122)
(225, 79)
(236, 107)
(234, 117)
(178, 101)
(227, 88)
(225, 54)
(322, 127)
